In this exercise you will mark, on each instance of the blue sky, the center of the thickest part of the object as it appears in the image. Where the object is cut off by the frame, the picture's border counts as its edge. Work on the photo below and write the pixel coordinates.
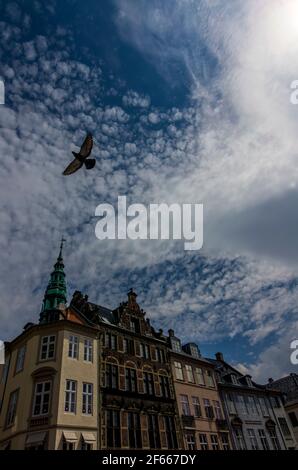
(188, 101)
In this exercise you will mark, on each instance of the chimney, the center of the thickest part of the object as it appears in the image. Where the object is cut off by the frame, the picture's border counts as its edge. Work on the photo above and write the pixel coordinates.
(171, 333)
(219, 356)
(270, 381)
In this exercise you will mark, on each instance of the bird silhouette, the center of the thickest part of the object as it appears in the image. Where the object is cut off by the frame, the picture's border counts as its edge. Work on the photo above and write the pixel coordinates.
(81, 158)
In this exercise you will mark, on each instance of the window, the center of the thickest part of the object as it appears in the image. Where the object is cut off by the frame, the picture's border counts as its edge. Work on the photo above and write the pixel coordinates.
(263, 438)
(160, 355)
(210, 379)
(276, 402)
(134, 431)
(231, 404)
(145, 351)
(197, 407)
(190, 441)
(111, 341)
(199, 376)
(87, 408)
(41, 402)
(111, 376)
(241, 405)
(170, 432)
(284, 427)
(203, 441)
(67, 445)
(194, 351)
(148, 383)
(253, 439)
(176, 345)
(129, 346)
(113, 429)
(135, 325)
(293, 418)
(86, 445)
(263, 405)
(70, 396)
(130, 380)
(251, 404)
(189, 373)
(239, 439)
(217, 409)
(178, 370)
(208, 408)
(274, 439)
(47, 348)
(88, 350)
(225, 441)
(214, 442)
(20, 359)
(164, 386)
(185, 405)
(234, 379)
(153, 430)
(12, 408)
(73, 347)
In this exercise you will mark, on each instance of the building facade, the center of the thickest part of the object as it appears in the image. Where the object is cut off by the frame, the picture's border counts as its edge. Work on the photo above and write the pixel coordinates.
(255, 414)
(201, 415)
(288, 386)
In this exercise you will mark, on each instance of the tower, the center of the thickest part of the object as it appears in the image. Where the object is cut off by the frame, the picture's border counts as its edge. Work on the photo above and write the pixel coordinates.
(55, 293)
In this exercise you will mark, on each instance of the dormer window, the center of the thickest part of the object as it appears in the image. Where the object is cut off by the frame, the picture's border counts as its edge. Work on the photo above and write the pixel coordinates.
(176, 345)
(234, 379)
(248, 381)
(194, 350)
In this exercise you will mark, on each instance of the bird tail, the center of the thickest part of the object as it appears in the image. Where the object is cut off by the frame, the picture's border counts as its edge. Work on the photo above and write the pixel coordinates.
(90, 163)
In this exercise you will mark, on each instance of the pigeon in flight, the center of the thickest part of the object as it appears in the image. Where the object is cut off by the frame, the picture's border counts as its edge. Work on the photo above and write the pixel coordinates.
(81, 158)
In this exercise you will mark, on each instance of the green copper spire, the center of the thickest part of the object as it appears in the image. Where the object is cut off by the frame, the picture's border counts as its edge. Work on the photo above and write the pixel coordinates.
(55, 293)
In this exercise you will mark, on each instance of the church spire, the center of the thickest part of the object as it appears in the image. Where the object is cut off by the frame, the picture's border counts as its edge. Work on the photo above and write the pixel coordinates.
(55, 293)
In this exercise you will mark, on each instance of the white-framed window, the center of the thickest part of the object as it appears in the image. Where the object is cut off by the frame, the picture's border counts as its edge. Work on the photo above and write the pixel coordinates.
(234, 379)
(239, 439)
(70, 396)
(42, 395)
(176, 345)
(253, 439)
(208, 408)
(241, 404)
(264, 407)
(214, 442)
(178, 370)
(190, 441)
(87, 408)
(199, 376)
(217, 409)
(73, 347)
(47, 350)
(263, 439)
(185, 405)
(145, 351)
(274, 439)
(209, 378)
(88, 350)
(189, 373)
(12, 408)
(225, 441)
(197, 407)
(231, 404)
(20, 359)
(194, 351)
(203, 442)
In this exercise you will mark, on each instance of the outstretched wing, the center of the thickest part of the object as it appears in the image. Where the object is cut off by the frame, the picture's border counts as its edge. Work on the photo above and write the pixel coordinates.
(74, 166)
(87, 146)
(90, 163)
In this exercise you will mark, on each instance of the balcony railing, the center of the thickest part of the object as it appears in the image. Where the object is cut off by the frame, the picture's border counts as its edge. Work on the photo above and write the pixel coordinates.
(188, 421)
